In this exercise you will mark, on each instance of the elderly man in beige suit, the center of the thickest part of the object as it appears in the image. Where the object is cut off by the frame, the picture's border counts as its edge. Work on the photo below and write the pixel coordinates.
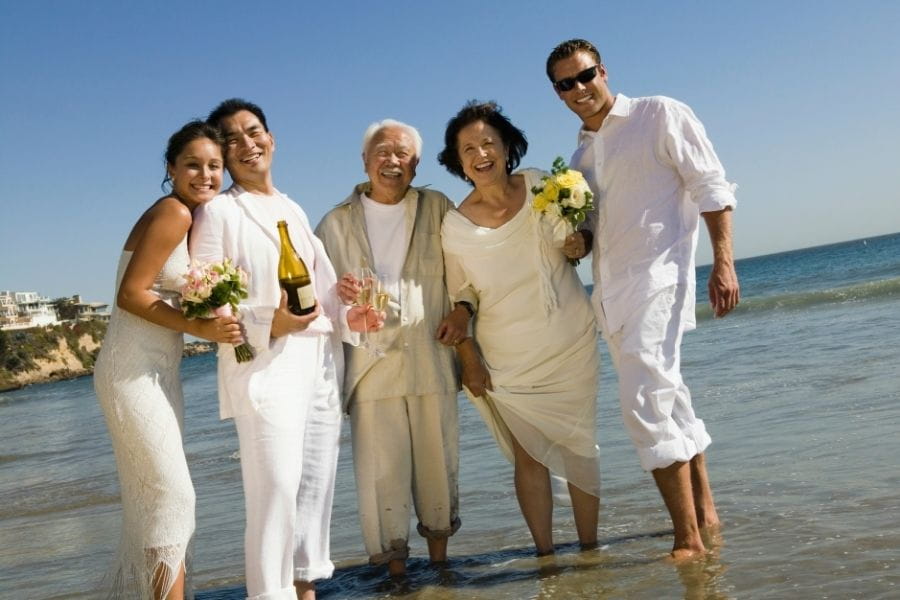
(402, 406)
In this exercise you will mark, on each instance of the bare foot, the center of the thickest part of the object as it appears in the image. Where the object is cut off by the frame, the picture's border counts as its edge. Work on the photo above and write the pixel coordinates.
(712, 537)
(681, 555)
(397, 567)
(306, 590)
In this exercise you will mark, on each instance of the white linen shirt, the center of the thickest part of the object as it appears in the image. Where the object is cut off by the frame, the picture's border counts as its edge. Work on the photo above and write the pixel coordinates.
(235, 225)
(652, 171)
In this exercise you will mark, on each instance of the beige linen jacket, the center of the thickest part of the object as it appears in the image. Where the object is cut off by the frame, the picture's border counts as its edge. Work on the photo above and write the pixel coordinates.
(415, 363)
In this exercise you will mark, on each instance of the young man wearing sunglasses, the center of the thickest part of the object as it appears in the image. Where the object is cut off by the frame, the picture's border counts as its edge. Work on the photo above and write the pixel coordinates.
(653, 173)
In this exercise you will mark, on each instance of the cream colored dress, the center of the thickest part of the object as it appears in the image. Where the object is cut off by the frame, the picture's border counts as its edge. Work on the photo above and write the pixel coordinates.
(536, 333)
(139, 389)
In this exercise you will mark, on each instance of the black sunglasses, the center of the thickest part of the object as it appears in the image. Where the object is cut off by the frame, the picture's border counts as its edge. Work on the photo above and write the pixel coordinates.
(566, 84)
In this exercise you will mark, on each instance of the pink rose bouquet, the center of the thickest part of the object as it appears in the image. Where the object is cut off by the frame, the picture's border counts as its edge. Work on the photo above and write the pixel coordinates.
(215, 290)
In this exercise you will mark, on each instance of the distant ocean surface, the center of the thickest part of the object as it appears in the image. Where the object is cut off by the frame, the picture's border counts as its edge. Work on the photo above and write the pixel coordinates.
(798, 387)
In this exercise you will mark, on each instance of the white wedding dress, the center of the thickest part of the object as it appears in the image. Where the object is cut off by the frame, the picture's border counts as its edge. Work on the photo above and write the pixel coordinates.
(536, 332)
(139, 389)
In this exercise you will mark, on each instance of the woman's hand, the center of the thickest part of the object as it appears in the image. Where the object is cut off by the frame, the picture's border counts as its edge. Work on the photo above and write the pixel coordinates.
(222, 330)
(577, 245)
(454, 328)
(365, 318)
(348, 288)
(285, 322)
(475, 376)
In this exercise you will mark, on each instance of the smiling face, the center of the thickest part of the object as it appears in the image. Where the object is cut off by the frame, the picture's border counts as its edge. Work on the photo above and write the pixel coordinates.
(592, 100)
(248, 149)
(197, 172)
(482, 153)
(390, 162)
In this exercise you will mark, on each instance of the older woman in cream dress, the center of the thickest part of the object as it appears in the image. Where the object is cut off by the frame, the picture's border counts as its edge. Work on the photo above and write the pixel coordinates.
(532, 368)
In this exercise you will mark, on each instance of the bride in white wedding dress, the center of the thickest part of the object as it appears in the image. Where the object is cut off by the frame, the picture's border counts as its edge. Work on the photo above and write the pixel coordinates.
(137, 376)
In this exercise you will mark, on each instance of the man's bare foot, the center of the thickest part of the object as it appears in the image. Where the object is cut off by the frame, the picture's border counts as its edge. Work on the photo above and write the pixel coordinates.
(397, 567)
(306, 590)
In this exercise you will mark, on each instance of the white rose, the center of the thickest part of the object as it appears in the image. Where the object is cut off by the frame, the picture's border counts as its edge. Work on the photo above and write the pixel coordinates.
(576, 198)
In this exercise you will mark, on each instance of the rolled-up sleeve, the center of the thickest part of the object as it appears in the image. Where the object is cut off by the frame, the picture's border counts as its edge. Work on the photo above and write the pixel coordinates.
(458, 286)
(687, 148)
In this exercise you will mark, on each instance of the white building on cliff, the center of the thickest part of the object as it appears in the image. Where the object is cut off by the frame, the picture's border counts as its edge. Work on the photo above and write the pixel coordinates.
(21, 310)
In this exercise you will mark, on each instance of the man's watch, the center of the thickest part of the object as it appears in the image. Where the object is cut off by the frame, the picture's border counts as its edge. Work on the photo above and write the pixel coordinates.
(468, 306)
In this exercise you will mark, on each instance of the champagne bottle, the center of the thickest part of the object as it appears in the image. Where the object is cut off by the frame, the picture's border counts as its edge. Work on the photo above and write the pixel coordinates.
(294, 276)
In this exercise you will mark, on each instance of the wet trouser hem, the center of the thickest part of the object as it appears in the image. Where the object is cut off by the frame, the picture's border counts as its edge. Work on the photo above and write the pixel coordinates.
(321, 571)
(396, 553)
(284, 594)
(439, 534)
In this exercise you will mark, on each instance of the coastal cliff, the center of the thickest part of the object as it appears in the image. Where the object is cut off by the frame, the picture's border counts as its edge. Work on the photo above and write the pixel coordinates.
(57, 352)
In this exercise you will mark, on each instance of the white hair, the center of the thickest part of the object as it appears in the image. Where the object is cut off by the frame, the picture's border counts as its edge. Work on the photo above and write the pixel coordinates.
(377, 126)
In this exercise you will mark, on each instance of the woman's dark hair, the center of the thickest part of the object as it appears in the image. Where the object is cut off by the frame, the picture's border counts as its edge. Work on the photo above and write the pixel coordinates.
(194, 130)
(234, 105)
(489, 113)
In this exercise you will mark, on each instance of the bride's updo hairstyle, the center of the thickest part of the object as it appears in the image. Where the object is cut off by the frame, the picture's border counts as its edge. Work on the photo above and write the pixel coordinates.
(491, 114)
(193, 130)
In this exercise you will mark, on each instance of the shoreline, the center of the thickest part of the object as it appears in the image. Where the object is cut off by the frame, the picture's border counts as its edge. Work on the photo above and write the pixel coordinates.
(52, 370)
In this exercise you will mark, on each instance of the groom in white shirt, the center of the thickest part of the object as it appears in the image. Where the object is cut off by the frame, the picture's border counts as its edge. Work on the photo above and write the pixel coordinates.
(285, 402)
(653, 173)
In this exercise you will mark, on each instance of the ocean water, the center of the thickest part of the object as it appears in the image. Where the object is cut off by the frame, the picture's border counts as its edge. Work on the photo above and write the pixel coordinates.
(798, 387)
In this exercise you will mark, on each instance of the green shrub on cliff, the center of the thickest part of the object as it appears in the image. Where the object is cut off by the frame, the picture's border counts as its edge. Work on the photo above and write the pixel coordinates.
(20, 348)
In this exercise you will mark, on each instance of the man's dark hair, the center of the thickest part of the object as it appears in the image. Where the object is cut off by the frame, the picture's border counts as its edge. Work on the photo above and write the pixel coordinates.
(490, 113)
(232, 106)
(567, 49)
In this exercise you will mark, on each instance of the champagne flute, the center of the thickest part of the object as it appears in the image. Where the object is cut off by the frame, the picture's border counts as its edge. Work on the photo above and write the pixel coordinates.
(379, 300)
(365, 277)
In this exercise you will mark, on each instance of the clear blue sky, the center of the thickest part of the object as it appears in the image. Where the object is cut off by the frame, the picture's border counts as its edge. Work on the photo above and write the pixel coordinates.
(800, 98)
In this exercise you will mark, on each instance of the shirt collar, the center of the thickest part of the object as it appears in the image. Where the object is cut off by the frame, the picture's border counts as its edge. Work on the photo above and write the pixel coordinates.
(621, 108)
(366, 188)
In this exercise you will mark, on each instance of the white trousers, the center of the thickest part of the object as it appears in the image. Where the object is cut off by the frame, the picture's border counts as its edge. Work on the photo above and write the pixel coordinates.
(655, 402)
(289, 451)
(401, 447)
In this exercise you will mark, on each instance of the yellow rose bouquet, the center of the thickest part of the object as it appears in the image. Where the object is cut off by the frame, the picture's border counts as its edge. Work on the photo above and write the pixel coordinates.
(564, 198)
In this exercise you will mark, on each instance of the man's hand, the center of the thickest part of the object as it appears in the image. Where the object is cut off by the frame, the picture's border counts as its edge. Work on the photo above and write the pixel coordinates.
(348, 288)
(577, 245)
(724, 291)
(454, 327)
(365, 318)
(285, 322)
(723, 287)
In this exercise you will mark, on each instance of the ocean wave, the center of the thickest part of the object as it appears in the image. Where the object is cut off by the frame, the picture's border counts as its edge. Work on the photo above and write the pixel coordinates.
(870, 290)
